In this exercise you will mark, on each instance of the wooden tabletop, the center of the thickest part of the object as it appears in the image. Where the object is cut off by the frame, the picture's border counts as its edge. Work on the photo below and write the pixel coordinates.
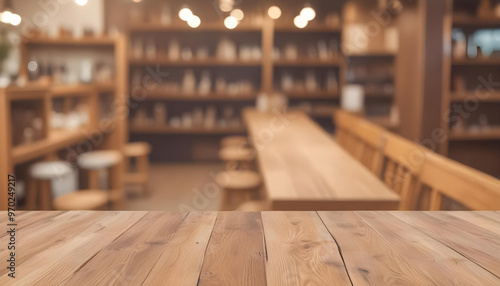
(268, 248)
(305, 169)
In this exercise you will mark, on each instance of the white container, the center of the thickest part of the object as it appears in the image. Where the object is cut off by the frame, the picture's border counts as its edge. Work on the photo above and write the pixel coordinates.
(353, 96)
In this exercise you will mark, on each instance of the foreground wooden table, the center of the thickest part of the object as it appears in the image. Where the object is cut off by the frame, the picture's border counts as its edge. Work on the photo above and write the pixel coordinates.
(268, 248)
(304, 169)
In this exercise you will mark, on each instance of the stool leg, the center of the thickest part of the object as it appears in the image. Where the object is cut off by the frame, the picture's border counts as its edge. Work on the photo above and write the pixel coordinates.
(116, 186)
(93, 177)
(225, 204)
(143, 170)
(45, 195)
(31, 194)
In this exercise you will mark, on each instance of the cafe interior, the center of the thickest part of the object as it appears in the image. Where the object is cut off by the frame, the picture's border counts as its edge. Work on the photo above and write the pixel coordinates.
(262, 105)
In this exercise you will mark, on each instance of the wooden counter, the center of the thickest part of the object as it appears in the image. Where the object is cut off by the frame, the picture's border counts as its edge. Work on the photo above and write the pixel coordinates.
(304, 169)
(268, 248)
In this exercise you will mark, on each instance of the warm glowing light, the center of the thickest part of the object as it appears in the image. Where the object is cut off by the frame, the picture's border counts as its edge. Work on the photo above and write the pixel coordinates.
(308, 13)
(274, 12)
(226, 6)
(185, 14)
(32, 66)
(6, 17)
(238, 14)
(15, 20)
(231, 22)
(300, 22)
(81, 2)
(194, 21)
(137, 1)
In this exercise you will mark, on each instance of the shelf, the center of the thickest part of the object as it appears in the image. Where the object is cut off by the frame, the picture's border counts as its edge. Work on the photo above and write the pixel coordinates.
(56, 140)
(492, 133)
(67, 41)
(71, 90)
(208, 27)
(307, 63)
(485, 61)
(379, 94)
(478, 23)
(482, 97)
(182, 130)
(213, 96)
(308, 29)
(371, 54)
(311, 94)
(194, 62)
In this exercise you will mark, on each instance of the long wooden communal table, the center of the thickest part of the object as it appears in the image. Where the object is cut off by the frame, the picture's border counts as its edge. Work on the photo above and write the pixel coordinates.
(268, 248)
(305, 169)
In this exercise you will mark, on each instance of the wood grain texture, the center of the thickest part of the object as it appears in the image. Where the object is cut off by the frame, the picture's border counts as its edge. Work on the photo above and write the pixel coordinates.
(58, 262)
(236, 252)
(128, 259)
(301, 251)
(182, 259)
(268, 248)
(476, 243)
(369, 259)
(430, 255)
(301, 168)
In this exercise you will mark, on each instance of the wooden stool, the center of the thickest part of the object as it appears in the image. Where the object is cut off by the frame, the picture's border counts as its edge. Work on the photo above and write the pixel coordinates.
(237, 157)
(109, 160)
(238, 187)
(82, 200)
(140, 152)
(38, 187)
(234, 141)
(255, 206)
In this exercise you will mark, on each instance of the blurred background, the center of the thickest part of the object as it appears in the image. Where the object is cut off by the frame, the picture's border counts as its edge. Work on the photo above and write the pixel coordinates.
(82, 79)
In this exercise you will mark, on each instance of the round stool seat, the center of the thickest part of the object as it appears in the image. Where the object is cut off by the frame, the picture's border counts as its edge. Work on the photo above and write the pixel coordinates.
(49, 170)
(239, 180)
(255, 206)
(96, 160)
(135, 149)
(234, 141)
(82, 200)
(236, 154)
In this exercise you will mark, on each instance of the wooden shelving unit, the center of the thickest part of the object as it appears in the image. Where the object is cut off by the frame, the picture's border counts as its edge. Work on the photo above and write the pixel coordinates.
(185, 130)
(194, 63)
(470, 143)
(212, 96)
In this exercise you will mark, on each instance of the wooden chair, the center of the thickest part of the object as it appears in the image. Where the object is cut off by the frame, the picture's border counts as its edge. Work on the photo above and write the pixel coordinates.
(237, 157)
(345, 123)
(403, 161)
(370, 144)
(238, 187)
(139, 151)
(94, 197)
(38, 188)
(235, 141)
(467, 186)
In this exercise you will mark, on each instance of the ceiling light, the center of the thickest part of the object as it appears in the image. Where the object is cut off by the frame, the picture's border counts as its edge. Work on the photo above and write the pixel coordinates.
(185, 14)
(7, 16)
(81, 2)
(230, 22)
(274, 12)
(238, 14)
(194, 21)
(308, 13)
(226, 5)
(300, 22)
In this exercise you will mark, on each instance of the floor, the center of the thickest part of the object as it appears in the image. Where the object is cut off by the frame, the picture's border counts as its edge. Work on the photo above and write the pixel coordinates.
(180, 187)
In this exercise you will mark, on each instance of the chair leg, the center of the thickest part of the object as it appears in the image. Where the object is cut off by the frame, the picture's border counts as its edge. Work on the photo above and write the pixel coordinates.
(93, 179)
(31, 194)
(143, 170)
(45, 195)
(116, 187)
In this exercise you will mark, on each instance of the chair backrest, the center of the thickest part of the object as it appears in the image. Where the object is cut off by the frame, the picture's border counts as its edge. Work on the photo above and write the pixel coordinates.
(370, 144)
(345, 124)
(467, 186)
(403, 161)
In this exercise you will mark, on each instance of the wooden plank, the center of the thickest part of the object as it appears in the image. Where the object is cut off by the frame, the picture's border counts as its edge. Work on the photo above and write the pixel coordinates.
(48, 232)
(369, 259)
(182, 259)
(59, 261)
(301, 251)
(29, 218)
(484, 219)
(235, 254)
(128, 259)
(430, 255)
(478, 244)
